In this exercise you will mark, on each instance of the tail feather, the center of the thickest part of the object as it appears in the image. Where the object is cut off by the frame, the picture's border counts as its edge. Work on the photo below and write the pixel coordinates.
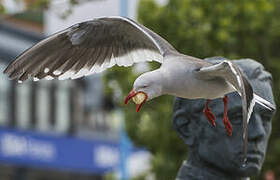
(264, 103)
(250, 109)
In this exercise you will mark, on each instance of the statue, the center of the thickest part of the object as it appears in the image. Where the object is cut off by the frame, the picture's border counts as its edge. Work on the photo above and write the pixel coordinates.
(213, 155)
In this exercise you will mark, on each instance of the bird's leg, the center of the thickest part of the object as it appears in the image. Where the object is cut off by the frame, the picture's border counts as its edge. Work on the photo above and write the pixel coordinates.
(226, 122)
(210, 116)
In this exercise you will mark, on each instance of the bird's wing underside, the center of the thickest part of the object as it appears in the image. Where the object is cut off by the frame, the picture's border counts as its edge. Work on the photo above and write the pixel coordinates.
(232, 74)
(89, 47)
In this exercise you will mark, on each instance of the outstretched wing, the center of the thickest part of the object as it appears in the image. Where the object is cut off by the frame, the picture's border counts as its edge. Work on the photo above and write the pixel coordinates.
(232, 74)
(89, 47)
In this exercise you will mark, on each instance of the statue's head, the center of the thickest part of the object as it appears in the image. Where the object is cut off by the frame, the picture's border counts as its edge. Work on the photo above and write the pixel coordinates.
(211, 145)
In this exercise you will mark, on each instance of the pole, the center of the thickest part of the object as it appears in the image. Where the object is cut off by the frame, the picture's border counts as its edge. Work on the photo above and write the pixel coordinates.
(125, 144)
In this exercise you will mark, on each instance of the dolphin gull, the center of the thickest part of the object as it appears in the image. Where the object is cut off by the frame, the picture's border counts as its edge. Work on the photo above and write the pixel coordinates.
(93, 46)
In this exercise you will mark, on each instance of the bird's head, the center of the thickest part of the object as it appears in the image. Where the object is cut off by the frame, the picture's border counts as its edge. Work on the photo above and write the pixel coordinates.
(146, 87)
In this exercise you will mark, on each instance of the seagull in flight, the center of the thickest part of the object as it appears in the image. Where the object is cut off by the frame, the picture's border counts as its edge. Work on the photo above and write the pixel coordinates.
(93, 46)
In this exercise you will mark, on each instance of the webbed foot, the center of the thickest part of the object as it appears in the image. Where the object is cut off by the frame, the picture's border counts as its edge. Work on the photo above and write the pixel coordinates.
(209, 115)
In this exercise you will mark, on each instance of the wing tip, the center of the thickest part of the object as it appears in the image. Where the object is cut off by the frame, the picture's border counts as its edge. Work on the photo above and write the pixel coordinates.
(264, 103)
(8, 69)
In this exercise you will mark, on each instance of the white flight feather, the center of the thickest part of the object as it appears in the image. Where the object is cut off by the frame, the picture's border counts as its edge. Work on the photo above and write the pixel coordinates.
(57, 72)
(264, 102)
(112, 61)
(235, 73)
(49, 77)
(66, 75)
(46, 70)
(35, 79)
(80, 73)
(149, 55)
(261, 101)
(137, 56)
(125, 60)
(250, 110)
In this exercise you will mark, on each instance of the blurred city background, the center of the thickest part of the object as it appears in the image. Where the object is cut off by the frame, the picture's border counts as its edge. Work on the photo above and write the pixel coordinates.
(80, 129)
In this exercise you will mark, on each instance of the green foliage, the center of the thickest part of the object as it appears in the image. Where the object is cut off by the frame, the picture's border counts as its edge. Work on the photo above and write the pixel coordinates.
(41, 4)
(233, 29)
(32, 16)
(2, 9)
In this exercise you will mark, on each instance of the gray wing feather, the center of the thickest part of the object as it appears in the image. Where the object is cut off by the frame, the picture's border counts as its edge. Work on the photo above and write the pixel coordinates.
(232, 74)
(89, 47)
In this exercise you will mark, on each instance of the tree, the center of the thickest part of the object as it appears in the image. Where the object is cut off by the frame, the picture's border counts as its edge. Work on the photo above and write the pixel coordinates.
(40, 5)
(233, 29)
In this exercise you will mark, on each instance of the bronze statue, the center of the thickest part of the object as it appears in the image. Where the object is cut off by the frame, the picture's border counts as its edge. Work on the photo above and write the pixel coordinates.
(212, 154)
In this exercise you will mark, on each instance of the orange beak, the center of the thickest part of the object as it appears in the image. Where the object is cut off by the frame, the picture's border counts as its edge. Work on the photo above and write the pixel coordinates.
(133, 94)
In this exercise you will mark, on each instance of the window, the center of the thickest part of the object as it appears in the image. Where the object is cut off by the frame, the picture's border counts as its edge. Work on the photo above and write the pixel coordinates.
(4, 97)
(23, 105)
(43, 106)
(62, 106)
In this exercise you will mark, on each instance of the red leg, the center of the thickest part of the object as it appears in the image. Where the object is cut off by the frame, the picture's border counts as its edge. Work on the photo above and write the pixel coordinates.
(226, 122)
(209, 115)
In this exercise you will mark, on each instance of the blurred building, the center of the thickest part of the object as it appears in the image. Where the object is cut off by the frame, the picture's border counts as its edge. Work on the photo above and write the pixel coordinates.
(58, 130)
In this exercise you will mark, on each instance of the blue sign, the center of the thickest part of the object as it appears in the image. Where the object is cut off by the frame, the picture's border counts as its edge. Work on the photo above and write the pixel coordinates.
(37, 150)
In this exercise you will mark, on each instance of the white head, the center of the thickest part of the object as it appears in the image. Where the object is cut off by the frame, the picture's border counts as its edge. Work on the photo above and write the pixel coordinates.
(145, 87)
